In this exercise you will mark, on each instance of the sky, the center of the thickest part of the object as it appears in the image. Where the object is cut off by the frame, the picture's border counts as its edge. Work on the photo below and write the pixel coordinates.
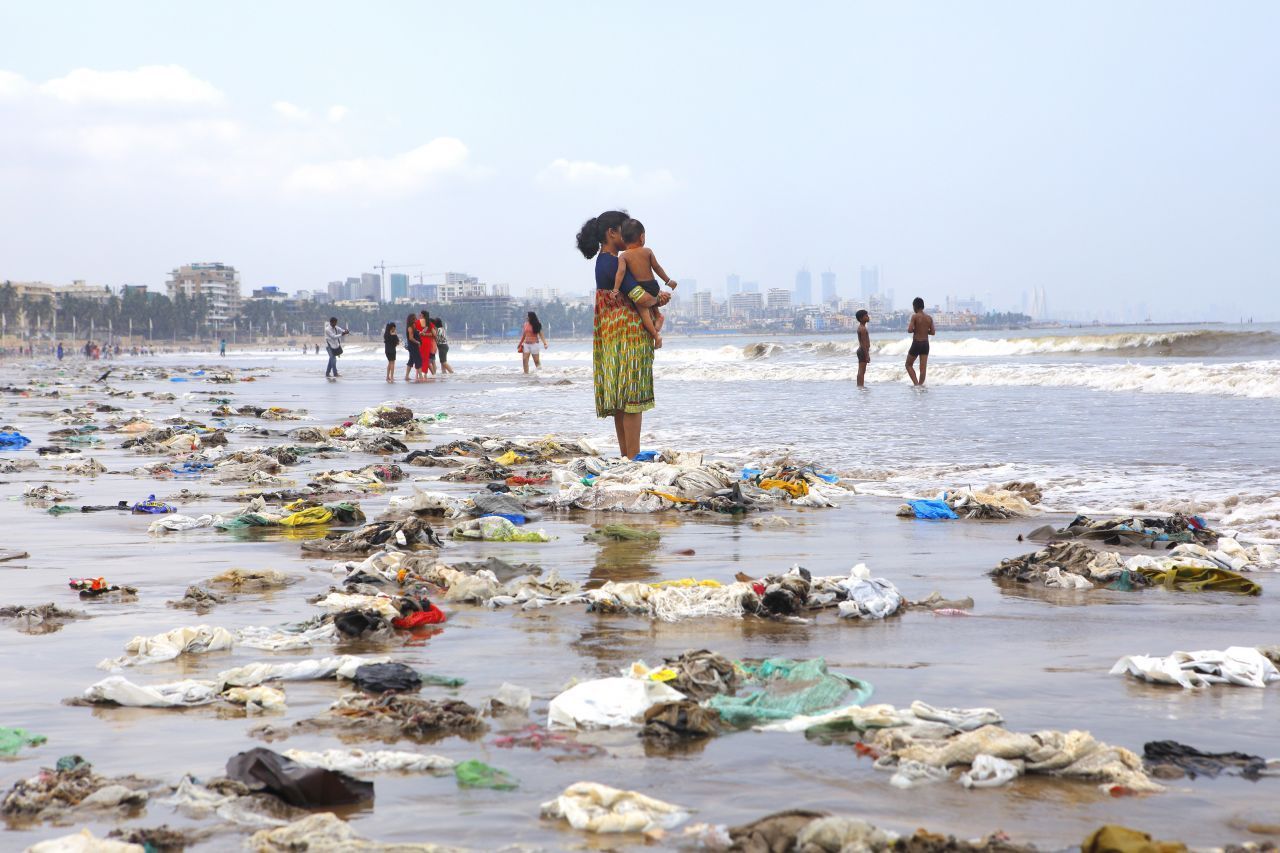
(1123, 156)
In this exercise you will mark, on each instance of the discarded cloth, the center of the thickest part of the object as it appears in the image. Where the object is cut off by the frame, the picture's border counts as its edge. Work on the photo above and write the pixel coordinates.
(495, 528)
(1240, 665)
(786, 688)
(371, 761)
(263, 769)
(326, 833)
(1121, 839)
(591, 807)
(1169, 759)
(607, 702)
(197, 639)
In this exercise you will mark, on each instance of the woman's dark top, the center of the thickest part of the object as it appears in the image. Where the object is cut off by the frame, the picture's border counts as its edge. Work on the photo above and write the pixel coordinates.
(607, 271)
(390, 340)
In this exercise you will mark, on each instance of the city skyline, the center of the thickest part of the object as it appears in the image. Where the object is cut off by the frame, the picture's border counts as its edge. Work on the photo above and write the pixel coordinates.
(139, 147)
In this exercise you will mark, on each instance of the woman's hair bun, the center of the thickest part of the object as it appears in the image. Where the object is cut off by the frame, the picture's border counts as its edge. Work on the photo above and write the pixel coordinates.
(589, 238)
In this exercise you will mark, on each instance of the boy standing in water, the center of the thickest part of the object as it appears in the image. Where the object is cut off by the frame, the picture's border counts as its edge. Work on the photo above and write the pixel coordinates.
(864, 345)
(642, 264)
(920, 328)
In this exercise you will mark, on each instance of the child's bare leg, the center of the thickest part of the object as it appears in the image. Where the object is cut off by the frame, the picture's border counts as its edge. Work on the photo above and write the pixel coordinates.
(646, 319)
(659, 319)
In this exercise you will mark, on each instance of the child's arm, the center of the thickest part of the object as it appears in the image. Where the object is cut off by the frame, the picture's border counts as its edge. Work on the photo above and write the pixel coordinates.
(662, 274)
(621, 274)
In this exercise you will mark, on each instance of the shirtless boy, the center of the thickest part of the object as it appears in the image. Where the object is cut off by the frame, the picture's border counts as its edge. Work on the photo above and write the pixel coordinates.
(864, 345)
(642, 264)
(920, 327)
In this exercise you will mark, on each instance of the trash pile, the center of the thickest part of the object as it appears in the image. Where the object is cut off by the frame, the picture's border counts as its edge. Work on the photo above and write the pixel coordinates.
(1074, 565)
(1012, 500)
(1132, 532)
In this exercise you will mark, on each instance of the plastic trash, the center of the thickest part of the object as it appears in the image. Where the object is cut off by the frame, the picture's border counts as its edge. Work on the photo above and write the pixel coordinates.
(607, 702)
(306, 787)
(646, 456)
(13, 441)
(387, 678)
(12, 740)
(477, 774)
(988, 771)
(153, 506)
(932, 509)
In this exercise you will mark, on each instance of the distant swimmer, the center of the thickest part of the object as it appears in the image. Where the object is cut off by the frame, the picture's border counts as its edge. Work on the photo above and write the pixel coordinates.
(920, 328)
(864, 345)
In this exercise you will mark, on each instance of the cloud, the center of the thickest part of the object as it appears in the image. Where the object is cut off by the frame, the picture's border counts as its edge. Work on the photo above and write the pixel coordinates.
(562, 173)
(13, 85)
(337, 113)
(160, 84)
(293, 112)
(401, 174)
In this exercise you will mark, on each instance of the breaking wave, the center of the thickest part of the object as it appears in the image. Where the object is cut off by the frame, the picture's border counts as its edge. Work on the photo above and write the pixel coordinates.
(1195, 343)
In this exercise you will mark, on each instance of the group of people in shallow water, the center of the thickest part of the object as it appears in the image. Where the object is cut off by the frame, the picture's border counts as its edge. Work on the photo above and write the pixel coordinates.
(426, 342)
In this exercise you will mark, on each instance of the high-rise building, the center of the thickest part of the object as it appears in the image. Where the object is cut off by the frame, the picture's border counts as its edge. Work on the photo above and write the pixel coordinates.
(869, 278)
(779, 299)
(746, 304)
(335, 291)
(829, 288)
(804, 287)
(702, 307)
(218, 283)
(370, 287)
(751, 287)
(732, 285)
(399, 286)
(351, 288)
(501, 290)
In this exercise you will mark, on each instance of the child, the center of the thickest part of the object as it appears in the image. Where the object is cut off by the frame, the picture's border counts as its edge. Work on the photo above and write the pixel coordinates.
(864, 345)
(920, 327)
(390, 340)
(642, 264)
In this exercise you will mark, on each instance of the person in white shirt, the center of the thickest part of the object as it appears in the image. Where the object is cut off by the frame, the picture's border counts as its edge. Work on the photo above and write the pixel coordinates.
(333, 335)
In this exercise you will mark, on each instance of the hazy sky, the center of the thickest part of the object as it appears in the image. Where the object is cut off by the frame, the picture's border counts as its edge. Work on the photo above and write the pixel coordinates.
(1111, 152)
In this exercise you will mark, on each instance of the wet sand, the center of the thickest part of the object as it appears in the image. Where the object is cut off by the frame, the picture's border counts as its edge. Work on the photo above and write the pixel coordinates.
(1039, 657)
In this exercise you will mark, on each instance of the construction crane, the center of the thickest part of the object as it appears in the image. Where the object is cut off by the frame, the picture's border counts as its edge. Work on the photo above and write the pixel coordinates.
(383, 266)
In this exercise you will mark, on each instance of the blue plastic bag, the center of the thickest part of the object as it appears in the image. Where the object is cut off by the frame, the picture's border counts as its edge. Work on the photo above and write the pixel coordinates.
(934, 509)
(751, 473)
(646, 456)
(13, 441)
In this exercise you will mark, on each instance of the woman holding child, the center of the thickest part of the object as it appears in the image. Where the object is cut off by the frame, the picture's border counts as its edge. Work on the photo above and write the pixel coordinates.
(622, 357)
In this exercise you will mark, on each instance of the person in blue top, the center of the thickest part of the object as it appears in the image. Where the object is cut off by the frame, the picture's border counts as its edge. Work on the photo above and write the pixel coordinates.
(622, 351)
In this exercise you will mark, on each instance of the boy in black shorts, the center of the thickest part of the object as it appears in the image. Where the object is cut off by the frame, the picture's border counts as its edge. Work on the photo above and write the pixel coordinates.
(864, 345)
(920, 327)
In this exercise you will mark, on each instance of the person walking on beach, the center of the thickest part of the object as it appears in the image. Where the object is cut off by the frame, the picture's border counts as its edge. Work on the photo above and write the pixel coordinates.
(222, 348)
(621, 350)
(442, 346)
(333, 335)
(920, 327)
(864, 345)
(390, 342)
(412, 345)
(60, 353)
(427, 336)
(532, 342)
